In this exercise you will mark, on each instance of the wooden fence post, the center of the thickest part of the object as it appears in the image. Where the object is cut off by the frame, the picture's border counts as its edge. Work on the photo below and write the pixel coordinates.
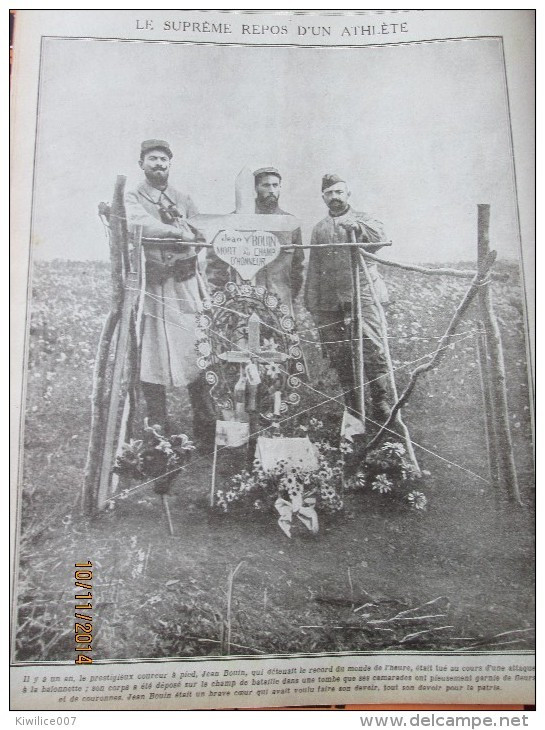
(500, 446)
(387, 355)
(488, 406)
(359, 370)
(118, 245)
(119, 409)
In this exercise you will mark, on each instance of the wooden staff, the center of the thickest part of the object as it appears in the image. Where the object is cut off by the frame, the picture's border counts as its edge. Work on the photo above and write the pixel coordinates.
(358, 321)
(164, 500)
(387, 355)
(488, 406)
(214, 468)
(115, 429)
(129, 384)
(117, 232)
(494, 373)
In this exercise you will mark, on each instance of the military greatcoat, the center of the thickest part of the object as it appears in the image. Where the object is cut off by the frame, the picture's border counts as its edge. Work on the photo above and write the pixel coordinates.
(174, 287)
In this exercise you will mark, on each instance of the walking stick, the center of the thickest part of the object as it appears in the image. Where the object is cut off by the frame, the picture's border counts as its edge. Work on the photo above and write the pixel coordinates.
(166, 507)
(214, 467)
(357, 318)
(386, 348)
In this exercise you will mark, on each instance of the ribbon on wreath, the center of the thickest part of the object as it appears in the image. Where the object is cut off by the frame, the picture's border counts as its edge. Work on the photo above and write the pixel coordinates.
(302, 508)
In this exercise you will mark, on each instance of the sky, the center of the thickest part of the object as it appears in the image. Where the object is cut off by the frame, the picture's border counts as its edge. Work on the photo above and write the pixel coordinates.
(420, 132)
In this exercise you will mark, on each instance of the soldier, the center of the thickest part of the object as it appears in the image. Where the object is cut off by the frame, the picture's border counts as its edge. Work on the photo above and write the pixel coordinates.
(328, 295)
(284, 275)
(175, 290)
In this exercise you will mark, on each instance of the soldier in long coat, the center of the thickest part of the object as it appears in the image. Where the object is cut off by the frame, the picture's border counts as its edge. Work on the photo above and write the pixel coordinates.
(329, 295)
(283, 276)
(175, 289)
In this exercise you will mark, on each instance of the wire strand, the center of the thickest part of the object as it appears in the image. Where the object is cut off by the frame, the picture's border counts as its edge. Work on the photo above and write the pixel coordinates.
(328, 399)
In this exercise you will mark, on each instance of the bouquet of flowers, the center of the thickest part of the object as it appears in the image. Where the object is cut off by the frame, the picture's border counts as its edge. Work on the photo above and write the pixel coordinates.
(154, 457)
(289, 489)
(387, 469)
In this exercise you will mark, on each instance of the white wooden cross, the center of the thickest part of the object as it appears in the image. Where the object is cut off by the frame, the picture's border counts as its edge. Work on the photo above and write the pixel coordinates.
(253, 351)
(245, 239)
(249, 355)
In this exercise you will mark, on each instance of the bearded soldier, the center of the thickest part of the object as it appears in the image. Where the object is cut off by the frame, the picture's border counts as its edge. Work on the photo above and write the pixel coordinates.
(175, 290)
(329, 295)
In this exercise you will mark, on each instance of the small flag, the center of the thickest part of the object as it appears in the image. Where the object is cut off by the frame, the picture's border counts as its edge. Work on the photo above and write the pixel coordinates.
(232, 433)
(351, 426)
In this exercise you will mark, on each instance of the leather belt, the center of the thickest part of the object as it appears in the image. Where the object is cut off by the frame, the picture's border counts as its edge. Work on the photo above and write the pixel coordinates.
(157, 272)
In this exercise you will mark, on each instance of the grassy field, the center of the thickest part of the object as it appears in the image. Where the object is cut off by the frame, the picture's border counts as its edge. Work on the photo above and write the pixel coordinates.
(467, 559)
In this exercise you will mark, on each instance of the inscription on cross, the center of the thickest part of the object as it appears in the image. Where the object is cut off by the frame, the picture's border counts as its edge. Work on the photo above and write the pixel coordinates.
(238, 238)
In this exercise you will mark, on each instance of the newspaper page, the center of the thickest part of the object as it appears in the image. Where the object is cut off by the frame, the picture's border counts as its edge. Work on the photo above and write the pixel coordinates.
(272, 362)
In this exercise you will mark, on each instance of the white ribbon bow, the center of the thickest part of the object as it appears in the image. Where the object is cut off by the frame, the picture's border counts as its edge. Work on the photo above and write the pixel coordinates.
(304, 509)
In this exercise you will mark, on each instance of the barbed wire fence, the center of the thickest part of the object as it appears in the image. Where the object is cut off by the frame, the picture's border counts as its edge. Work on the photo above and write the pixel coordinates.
(115, 385)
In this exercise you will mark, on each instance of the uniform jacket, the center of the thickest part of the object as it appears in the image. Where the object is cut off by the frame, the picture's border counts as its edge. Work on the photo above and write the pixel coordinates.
(283, 276)
(329, 277)
(142, 207)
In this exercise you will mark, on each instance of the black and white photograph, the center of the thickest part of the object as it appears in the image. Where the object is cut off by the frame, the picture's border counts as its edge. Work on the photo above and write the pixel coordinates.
(276, 395)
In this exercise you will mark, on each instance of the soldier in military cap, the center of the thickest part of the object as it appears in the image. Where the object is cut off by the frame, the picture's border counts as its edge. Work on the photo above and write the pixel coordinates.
(284, 275)
(175, 290)
(328, 294)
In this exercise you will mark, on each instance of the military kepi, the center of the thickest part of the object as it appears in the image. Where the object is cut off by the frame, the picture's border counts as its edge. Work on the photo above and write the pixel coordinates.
(266, 171)
(329, 180)
(155, 144)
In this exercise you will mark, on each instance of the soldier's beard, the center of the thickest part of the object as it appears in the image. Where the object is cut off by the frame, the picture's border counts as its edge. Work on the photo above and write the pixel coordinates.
(157, 177)
(269, 201)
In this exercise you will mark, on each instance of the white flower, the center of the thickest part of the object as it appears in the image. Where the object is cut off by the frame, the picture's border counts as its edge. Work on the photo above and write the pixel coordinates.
(289, 480)
(270, 344)
(382, 484)
(185, 441)
(164, 446)
(327, 491)
(359, 479)
(273, 369)
(418, 500)
(397, 448)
